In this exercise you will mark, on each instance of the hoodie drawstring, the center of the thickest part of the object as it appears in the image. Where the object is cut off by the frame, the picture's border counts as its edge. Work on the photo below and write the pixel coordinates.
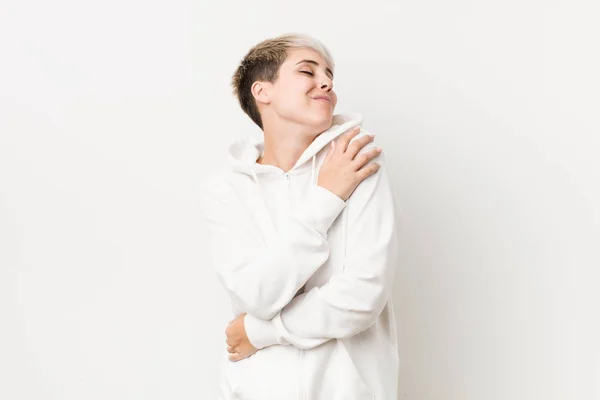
(255, 177)
(312, 176)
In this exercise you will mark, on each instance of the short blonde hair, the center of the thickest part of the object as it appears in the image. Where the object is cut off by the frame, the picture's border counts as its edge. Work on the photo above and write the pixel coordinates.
(262, 63)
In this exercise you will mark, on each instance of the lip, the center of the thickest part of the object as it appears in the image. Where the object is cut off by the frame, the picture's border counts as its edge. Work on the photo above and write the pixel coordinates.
(322, 98)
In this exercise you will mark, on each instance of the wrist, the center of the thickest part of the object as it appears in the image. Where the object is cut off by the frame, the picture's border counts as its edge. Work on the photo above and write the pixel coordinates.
(260, 333)
(320, 208)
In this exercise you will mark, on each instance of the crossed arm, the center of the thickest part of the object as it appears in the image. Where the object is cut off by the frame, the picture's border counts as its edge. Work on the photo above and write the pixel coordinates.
(347, 304)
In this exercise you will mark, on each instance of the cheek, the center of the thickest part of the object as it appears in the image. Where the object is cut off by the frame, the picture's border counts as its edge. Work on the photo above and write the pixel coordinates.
(334, 100)
(300, 90)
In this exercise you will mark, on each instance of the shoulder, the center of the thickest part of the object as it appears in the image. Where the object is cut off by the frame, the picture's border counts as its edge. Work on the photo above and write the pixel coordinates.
(371, 145)
(216, 186)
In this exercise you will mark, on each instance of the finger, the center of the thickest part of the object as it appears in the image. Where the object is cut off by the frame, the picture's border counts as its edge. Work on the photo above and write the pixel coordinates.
(329, 151)
(363, 158)
(358, 144)
(345, 138)
(231, 349)
(367, 171)
(234, 357)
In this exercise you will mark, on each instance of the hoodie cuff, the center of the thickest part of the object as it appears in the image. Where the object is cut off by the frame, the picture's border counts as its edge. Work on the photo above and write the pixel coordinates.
(321, 207)
(260, 333)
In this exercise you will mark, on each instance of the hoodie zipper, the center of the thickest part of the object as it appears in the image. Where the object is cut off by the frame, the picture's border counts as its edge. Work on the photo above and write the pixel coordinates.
(300, 393)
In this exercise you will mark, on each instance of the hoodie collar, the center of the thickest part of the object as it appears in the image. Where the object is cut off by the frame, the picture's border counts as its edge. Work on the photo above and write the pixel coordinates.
(244, 151)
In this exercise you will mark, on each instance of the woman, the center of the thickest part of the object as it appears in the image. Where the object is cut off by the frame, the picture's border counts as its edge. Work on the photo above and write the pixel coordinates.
(303, 238)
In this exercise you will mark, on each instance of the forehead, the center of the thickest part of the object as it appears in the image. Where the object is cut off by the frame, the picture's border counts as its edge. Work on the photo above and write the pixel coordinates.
(300, 57)
(299, 54)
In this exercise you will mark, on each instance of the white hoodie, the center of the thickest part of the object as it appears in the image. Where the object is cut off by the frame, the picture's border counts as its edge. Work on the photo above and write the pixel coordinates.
(313, 273)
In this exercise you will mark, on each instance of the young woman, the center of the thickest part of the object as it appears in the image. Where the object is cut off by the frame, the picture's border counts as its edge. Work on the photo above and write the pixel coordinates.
(302, 234)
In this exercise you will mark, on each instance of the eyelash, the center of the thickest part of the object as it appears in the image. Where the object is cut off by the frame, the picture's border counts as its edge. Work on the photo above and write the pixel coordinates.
(308, 72)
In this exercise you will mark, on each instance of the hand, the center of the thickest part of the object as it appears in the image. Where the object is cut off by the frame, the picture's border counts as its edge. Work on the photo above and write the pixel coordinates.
(343, 168)
(238, 344)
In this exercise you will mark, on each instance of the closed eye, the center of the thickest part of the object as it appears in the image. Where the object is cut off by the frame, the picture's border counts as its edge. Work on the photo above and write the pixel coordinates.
(308, 72)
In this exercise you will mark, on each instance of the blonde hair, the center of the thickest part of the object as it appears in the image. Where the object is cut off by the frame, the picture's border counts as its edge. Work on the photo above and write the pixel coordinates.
(262, 63)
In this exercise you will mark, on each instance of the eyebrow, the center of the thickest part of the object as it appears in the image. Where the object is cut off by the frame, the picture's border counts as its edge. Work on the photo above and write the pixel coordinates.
(315, 63)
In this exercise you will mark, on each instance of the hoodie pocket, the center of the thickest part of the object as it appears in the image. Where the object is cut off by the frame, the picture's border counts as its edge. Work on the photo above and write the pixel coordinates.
(270, 374)
(335, 376)
(350, 377)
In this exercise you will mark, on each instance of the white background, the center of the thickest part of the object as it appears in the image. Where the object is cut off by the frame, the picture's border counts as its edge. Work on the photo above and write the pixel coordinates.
(112, 114)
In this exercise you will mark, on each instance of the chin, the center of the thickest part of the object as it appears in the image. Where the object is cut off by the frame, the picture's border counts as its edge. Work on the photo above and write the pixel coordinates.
(323, 122)
(317, 121)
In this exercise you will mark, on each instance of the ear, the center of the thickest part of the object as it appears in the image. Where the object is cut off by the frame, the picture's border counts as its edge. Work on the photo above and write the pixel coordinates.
(260, 91)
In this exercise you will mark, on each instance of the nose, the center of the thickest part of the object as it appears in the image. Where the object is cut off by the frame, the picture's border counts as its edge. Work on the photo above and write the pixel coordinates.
(326, 84)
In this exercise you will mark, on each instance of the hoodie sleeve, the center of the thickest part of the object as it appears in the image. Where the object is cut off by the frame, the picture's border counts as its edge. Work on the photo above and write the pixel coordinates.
(263, 284)
(351, 301)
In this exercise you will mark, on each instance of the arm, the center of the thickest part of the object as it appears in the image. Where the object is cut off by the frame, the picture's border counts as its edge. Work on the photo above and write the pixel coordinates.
(265, 283)
(351, 301)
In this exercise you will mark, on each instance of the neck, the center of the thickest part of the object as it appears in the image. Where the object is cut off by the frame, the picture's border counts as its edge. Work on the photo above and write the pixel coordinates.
(285, 144)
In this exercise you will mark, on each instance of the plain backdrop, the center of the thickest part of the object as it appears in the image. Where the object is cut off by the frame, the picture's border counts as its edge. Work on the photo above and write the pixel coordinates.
(113, 113)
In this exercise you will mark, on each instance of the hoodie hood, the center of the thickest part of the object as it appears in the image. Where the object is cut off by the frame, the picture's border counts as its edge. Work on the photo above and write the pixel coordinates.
(244, 151)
